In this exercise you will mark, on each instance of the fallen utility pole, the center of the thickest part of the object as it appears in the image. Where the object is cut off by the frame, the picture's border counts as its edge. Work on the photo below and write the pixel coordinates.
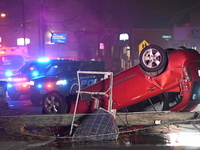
(122, 119)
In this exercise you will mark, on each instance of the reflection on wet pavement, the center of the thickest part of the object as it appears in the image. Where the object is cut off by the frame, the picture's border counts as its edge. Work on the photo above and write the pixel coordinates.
(173, 137)
(159, 137)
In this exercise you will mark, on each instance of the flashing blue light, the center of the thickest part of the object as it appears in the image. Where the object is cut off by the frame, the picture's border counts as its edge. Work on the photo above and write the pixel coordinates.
(39, 85)
(43, 59)
(35, 73)
(9, 85)
(8, 73)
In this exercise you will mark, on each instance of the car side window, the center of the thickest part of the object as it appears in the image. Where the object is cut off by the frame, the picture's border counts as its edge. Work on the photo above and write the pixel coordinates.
(59, 69)
(52, 70)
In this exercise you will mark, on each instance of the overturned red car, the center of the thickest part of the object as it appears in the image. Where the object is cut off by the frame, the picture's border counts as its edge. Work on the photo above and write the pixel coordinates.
(163, 80)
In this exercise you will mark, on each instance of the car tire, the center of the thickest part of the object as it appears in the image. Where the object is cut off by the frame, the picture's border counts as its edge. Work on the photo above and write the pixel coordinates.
(13, 94)
(153, 60)
(54, 103)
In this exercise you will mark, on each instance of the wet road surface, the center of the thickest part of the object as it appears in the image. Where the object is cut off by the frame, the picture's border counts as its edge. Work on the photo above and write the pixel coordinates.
(23, 106)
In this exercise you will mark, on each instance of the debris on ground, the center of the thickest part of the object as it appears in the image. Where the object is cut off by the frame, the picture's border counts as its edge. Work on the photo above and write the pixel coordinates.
(99, 126)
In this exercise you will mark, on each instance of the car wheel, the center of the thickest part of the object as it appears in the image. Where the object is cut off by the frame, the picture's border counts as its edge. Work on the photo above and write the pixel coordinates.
(153, 60)
(54, 103)
(13, 94)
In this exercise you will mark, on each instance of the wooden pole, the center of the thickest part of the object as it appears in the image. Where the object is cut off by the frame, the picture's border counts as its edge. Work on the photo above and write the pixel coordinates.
(122, 119)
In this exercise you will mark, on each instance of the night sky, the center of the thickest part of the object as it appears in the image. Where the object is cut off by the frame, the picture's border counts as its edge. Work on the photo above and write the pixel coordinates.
(134, 13)
(78, 18)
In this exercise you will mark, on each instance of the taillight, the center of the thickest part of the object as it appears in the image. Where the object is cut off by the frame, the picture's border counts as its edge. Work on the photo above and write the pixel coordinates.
(184, 82)
(25, 85)
(49, 85)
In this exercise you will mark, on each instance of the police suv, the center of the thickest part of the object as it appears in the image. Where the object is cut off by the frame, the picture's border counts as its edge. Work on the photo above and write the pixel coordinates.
(18, 83)
(60, 80)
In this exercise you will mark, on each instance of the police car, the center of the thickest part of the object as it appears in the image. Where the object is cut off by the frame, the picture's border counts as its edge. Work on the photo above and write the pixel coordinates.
(61, 78)
(18, 84)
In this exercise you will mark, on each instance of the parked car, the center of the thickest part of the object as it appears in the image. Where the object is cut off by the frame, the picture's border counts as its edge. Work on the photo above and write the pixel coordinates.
(18, 84)
(163, 80)
(61, 78)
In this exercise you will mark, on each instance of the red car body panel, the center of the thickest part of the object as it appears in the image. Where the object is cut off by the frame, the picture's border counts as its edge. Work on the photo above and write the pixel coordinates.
(132, 86)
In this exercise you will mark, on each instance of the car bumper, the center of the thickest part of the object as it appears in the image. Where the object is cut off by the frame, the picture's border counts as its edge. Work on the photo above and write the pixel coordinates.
(22, 88)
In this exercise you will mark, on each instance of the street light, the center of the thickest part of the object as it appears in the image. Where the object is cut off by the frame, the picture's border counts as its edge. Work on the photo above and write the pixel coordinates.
(3, 15)
(125, 54)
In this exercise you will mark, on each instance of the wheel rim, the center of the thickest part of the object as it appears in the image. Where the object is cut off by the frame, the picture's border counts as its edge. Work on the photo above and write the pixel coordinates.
(51, 104)
(152, 58)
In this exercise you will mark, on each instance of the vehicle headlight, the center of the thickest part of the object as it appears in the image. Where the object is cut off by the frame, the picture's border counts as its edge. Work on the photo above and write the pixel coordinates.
(61, 82)
(32, 82)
